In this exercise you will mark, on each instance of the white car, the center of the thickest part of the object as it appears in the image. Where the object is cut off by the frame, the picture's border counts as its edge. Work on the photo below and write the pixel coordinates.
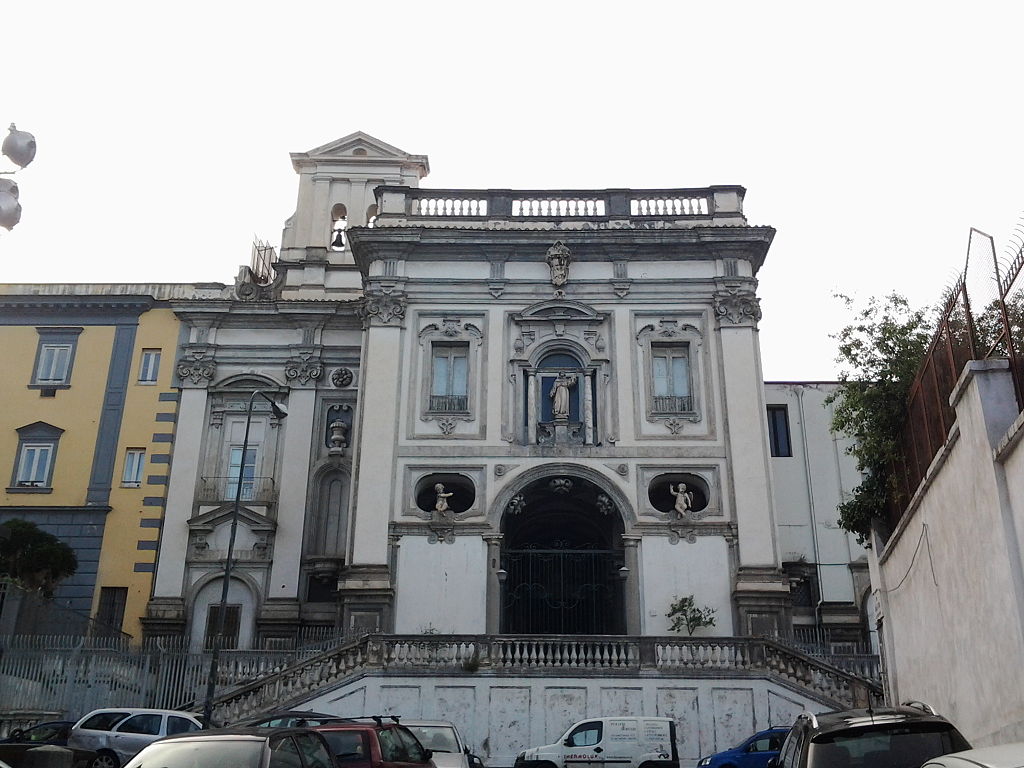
(1002, 756)
(443, 740)
(117, 734)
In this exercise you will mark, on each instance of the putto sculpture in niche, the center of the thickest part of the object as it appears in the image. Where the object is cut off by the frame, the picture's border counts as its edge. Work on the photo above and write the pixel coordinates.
(684, 500)
(441, 508)
(560, 394)
(558, 259)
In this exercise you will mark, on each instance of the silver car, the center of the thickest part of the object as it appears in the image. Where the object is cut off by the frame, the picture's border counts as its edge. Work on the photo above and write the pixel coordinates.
(1002, 756)
(116, 734)
(444, 741)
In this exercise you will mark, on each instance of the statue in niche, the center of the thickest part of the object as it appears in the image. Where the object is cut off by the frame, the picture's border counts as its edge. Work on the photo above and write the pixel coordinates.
(684, 500)
(560, 394)
(441, 509)
(558, 259)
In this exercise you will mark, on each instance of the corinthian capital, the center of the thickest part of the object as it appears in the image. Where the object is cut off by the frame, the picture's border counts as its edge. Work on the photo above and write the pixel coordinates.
(383, 309)
(738, 306)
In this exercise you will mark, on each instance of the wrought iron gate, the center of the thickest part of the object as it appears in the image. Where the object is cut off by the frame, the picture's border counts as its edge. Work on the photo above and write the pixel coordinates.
(562, 591)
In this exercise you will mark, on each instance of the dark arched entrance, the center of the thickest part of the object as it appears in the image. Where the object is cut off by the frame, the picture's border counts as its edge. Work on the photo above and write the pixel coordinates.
(561, 554)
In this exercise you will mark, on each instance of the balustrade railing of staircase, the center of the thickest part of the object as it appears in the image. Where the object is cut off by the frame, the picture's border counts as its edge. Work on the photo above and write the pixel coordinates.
(532, 655)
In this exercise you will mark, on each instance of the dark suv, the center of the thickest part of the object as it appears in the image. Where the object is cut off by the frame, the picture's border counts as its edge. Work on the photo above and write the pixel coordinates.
(374, 743)
(887, 737)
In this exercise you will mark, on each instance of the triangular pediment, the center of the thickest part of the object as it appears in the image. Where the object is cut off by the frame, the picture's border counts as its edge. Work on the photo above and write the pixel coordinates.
(561, 309)
(214, 518)
(357, 144)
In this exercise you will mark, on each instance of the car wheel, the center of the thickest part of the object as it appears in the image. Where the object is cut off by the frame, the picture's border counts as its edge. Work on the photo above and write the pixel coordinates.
(105, 760)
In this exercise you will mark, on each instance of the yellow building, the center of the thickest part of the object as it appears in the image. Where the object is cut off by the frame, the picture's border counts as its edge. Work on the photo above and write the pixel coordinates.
(86, 433)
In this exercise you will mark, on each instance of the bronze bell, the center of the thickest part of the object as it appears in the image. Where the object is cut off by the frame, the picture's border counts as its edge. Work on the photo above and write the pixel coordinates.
(339, 239)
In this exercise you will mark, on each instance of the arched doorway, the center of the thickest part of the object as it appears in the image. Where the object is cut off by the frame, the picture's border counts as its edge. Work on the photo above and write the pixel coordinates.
(561, 556)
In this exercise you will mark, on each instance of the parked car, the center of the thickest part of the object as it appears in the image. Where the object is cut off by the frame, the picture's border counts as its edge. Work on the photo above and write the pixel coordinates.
(445, 742)
(289, 718)
(115, 735)
(238, 748)
(629, 742)
(1002, 756)
(21, 741)
(753, 752)
(886, 737)
(373, 742)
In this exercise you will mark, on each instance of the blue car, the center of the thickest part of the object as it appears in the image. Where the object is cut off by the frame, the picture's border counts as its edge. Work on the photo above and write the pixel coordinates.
(754, 752)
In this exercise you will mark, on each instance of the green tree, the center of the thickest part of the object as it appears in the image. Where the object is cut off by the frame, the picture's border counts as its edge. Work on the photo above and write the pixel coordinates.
(880, 352)
(34, 558)
(685, 613)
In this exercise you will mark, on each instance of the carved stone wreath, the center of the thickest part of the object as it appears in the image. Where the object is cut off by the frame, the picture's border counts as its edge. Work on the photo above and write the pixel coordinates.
(341, 377)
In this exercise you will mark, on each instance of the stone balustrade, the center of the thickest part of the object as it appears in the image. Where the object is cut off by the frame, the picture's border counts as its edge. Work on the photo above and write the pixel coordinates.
(439, 207)
(580, 656)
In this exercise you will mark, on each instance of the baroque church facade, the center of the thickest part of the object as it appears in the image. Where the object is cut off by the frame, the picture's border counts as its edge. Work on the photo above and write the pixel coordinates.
(508, 413)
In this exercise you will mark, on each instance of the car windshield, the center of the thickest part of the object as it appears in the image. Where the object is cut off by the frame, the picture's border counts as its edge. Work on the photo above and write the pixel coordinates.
(885, 746)
(43, 732)
(200, 752)
(437, 738)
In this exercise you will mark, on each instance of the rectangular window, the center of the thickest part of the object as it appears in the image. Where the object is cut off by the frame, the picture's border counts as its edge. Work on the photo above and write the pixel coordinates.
(232, 620)
(449, 382)
(778, 430)
(34, 465)
(54, 364)
(110, 613)
(149, 366)
(247, 469)
(55, 357)
(670, 376)
(134, 464)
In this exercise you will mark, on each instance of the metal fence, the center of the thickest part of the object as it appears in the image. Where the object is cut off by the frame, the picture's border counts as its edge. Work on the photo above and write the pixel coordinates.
(982, 317)
(67, 676)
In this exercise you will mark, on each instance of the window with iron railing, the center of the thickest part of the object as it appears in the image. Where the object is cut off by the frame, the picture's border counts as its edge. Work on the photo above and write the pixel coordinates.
(670, 378)
(449, 384)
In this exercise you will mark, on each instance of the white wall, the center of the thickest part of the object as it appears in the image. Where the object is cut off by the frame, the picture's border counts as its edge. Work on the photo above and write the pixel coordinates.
(949, 579)
(498, 717)
(441, 587)
(669, 570)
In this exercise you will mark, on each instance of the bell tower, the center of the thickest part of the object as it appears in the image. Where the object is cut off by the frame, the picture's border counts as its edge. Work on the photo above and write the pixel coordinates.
(336, 191)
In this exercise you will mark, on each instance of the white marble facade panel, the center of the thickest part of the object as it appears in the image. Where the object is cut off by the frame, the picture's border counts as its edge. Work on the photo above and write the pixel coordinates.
(441, 586)
(669, 571)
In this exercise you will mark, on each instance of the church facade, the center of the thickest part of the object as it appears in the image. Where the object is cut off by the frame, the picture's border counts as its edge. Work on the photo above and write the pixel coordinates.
(508, 413)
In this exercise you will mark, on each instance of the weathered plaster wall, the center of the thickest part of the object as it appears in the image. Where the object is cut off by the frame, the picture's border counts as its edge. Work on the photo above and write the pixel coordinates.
(676, 570)
(498, 717)
(949, 583)
(441, 587)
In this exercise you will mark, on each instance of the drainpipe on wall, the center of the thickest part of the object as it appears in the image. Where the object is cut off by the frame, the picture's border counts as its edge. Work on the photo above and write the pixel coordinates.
(810, 504)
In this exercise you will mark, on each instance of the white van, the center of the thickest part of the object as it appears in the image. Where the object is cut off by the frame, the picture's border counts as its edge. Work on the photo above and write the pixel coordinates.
(619, 742)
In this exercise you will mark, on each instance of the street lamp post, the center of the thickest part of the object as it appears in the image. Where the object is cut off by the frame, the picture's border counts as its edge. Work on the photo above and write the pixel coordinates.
(211, 683)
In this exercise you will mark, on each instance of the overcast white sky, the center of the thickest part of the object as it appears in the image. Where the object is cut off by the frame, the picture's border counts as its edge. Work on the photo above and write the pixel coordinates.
(872, 136)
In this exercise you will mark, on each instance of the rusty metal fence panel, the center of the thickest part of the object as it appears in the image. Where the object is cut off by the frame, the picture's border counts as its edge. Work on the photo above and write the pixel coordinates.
(982, 317)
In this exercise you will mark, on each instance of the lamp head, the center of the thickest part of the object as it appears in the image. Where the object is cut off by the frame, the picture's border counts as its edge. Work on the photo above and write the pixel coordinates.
(280, 412)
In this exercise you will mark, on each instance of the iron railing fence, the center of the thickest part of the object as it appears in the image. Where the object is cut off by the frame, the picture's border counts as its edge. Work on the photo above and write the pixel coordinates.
(69, 675)
(975, 323)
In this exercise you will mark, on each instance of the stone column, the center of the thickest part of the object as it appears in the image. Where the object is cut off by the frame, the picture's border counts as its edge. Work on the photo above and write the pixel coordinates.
(631, 589)
(165, 612)
(493, 582)
(586, 381)
(292, 475)
(761, 591)
(367, 585)
(532, 387)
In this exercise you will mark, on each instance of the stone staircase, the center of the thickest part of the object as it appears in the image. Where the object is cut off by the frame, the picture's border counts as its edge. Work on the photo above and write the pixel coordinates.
(475, 656)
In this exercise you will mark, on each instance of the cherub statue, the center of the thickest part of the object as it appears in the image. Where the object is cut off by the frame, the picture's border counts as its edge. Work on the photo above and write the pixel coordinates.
(684, 500)
(441, 507)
